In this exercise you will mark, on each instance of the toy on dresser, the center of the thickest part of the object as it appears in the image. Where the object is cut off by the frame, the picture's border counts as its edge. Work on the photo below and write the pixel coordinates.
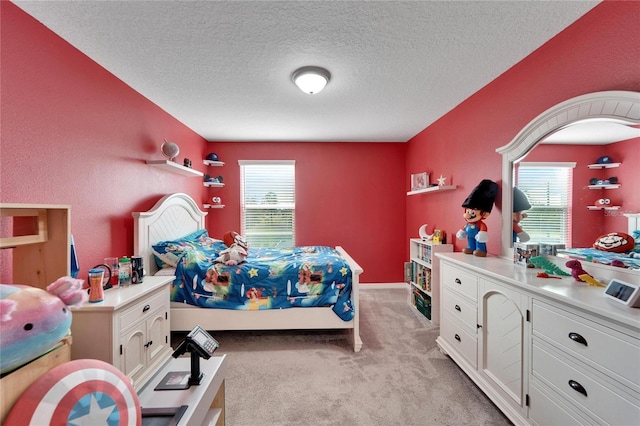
(33, 320)
(477, 207)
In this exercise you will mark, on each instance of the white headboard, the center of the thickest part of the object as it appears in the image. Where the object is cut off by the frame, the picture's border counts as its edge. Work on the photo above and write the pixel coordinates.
(634, 222)
(173, 216)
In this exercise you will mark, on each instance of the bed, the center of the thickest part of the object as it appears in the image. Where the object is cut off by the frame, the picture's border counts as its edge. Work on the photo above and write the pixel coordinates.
(631, 258)
(177, 215)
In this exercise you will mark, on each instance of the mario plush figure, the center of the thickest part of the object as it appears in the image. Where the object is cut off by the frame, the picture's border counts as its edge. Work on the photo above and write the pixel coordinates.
(236, 251)
(477, 207)
(520, 203)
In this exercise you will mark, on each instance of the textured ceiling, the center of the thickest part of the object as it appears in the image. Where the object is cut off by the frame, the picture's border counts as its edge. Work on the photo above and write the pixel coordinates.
(223, 67)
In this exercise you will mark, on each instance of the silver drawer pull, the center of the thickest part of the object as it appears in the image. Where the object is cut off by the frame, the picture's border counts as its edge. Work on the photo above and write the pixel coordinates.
(458, 308)
(146, 308)
(457, 280)
(457, 338)
(578, 338)
(577, 387)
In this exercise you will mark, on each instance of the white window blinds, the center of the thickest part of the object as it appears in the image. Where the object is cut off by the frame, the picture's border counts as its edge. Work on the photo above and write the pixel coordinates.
(548, 186)
(267, 197)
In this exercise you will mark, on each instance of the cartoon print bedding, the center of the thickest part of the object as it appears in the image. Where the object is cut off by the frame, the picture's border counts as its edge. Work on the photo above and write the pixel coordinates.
(271, 278)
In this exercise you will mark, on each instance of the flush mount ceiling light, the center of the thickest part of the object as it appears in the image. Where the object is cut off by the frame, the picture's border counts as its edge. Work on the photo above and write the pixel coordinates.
(311, 80)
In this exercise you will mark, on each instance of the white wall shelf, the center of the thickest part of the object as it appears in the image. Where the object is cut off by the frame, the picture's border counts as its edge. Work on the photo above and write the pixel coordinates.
(213, 206)
(213, 184)
(170, 166)
(603, 166)
(610, 186)
(213, 163)
(433, 189)
(603, 207)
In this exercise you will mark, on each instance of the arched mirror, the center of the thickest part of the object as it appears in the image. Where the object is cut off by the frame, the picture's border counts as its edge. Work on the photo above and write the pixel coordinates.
(621, 108)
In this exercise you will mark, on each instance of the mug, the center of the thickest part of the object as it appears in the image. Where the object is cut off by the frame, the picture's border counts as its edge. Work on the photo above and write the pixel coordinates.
(137, 270)
(112, 263)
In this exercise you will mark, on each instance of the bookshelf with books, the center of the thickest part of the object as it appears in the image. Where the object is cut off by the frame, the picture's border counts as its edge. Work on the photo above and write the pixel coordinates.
(424, 277)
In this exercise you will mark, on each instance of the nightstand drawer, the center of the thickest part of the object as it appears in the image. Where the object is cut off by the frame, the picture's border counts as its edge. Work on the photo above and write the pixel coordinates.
(460, 281)
(460, 308)
(580, 385)
(140, 310)
(615, 351)
(460, 338)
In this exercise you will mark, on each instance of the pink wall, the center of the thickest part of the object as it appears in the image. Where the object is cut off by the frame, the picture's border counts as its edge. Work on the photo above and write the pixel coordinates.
(74, 134)
(589, 224)
(598, 52)
(348, 194)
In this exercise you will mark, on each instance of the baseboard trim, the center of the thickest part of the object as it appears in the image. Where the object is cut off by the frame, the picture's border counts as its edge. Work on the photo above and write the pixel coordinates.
(379, 286)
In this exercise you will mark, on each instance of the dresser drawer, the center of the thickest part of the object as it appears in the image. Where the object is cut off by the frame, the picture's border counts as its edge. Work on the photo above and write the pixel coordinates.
(460, 281)
(459, 337)
(460, 308)
(580, 385)
(544, 411)
(614, 351)
(139, 311)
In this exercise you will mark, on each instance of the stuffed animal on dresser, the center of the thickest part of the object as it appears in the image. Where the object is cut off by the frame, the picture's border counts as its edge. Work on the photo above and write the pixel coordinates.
(236, 251)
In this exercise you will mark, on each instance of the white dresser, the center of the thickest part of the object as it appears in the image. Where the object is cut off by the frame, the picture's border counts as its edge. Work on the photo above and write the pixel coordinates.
(545, 351)
(129, 329)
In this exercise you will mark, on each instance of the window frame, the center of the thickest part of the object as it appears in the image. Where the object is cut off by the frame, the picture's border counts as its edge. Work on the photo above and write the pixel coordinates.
(253, 237)
(567, 207)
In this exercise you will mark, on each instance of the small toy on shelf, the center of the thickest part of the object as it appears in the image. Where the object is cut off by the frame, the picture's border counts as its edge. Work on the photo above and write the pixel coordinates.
(439, 236)
(423, 233)
(477, 207)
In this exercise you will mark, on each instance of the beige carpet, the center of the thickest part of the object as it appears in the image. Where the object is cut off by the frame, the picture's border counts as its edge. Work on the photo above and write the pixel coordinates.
(314, 378)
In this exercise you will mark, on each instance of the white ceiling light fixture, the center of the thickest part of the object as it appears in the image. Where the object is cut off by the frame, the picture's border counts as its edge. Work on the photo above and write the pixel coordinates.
(311, 80)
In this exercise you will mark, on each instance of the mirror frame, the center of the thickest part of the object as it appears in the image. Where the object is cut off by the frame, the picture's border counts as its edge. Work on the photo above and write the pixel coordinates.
(617, 106)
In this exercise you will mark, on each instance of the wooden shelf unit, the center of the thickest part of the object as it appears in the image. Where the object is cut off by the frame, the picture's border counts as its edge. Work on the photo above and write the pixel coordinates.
(40, 242)
(424, 283)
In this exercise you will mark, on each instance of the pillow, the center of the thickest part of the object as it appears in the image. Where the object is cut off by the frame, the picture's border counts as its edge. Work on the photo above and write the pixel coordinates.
(167, 253)
(165, 272)
(617, 242)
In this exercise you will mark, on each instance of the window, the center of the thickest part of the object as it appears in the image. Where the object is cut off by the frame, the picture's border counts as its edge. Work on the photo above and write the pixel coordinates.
(548, 187)
(267, 197)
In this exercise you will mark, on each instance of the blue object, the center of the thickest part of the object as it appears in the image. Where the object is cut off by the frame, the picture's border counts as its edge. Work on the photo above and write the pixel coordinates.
(605, 159)
(75, 267)
(212, 157)
(270, 278)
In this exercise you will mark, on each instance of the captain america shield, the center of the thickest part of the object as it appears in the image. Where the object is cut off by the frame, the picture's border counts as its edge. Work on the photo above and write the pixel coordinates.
(77, 393)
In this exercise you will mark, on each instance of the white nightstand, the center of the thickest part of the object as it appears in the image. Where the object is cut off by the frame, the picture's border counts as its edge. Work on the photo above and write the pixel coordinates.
(206, 401)
(129, 329)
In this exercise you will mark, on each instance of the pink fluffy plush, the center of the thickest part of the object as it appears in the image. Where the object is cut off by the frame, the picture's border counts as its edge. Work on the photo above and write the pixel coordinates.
(69, 290)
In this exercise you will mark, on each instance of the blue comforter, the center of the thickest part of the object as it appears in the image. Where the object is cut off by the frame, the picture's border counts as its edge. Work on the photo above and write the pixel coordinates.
(269, 279)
